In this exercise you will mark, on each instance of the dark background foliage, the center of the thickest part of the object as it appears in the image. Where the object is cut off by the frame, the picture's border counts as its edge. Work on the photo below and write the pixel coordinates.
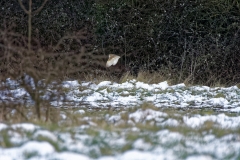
(196, 41)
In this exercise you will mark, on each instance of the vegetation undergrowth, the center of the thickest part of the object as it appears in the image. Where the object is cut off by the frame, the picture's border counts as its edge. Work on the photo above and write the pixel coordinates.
(190, 42)
(183, 41)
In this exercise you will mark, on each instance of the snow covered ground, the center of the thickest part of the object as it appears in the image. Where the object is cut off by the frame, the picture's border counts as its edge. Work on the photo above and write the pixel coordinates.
(133, 93)
(132, 120)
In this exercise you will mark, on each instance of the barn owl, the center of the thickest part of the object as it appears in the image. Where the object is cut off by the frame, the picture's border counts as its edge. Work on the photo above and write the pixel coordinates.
(112, 60)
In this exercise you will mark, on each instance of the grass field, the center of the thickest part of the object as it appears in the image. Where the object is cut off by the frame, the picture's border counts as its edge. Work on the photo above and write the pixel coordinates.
(129, 120)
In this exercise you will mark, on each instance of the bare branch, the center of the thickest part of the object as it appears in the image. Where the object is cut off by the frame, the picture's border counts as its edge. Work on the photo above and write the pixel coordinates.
(40, 8)
(22, 6)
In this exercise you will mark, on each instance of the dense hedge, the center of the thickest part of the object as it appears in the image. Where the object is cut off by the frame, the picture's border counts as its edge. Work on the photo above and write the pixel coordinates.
(195, 40)
(54, 21)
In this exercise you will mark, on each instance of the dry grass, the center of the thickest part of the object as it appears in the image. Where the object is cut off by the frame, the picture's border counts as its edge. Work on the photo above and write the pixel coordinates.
(143, 76)
(149, 106)
(148, 77)
(151, 78)
(99, 75)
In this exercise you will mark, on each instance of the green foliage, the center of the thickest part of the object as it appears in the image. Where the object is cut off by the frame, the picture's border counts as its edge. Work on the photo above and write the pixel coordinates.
(5, 140)
(220, 95)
